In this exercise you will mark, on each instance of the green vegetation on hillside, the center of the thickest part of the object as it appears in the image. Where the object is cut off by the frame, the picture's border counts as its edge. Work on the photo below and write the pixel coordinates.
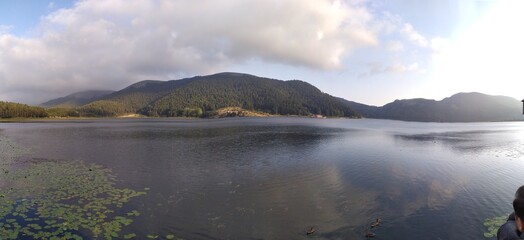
(102, 108)
(63, 112)
(17, 110)
(203, 96)
(211, 93)
(135, 97)
(76, 99)
(461, 107)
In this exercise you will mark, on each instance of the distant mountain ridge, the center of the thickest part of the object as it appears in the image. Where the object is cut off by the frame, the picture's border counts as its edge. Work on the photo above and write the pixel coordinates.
(461, 107)
(76, 99)
(201, 96)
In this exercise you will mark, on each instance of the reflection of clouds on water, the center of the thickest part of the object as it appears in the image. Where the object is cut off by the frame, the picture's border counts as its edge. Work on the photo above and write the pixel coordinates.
(396, 180)
(431, 174)
(265, 181)
(271, 185)
(442, 192)
(315, 197)
(395, 196)
(403, 197)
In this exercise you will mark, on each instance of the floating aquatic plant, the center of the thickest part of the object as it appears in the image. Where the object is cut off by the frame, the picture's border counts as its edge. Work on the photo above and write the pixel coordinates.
(152, 236)
(50, 199)
(493, 224)
(129, 236)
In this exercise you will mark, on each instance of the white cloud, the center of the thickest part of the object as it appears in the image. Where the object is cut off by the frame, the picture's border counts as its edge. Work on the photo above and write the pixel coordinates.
(403, 68)
(486, 57)
(5, 29)
(108, 44)
(394, 46)
(394, 68)
(391, 24)
(439, 44)
(414, 36)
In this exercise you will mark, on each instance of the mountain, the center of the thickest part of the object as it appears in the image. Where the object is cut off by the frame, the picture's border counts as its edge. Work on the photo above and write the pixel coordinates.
(461, 107)
(137, 96)
(76, 99)
(363, 109)
(204, 95)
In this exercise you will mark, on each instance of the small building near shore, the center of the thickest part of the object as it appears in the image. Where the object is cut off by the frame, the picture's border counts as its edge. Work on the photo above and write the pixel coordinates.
(320, 115)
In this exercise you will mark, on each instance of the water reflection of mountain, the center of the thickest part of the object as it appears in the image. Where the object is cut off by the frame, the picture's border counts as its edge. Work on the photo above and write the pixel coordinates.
(271, 178)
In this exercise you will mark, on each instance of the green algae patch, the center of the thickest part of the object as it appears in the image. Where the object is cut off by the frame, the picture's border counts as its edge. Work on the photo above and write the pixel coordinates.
(63, 200)
(129, 236)
(59, 199)
(493, 224)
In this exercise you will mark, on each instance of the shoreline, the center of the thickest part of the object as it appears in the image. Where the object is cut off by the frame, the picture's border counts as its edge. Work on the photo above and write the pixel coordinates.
(66, 119)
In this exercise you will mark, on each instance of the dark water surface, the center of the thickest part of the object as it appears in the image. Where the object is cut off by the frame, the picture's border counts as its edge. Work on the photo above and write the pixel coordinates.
(271, 178)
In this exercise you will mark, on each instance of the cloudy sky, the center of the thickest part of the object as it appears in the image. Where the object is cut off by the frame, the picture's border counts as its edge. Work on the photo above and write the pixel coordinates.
(367, 51)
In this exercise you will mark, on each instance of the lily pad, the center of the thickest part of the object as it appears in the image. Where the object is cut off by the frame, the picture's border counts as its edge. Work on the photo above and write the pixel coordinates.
(493, 224)
(129, 236)
(52, 199)
(151, 236)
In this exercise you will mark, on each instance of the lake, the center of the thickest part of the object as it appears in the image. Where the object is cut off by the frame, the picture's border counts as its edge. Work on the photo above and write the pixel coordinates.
(274, 178)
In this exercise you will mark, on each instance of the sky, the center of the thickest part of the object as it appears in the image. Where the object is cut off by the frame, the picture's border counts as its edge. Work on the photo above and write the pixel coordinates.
(369, 51)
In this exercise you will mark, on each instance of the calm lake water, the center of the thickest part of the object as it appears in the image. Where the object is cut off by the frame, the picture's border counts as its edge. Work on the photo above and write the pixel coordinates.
(271, 178)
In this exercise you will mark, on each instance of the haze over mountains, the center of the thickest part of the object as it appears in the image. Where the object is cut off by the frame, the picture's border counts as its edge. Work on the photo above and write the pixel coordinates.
(201, 95)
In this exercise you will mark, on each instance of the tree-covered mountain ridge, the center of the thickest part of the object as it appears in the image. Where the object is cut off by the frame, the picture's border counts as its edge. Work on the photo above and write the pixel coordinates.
(202, 96)
(461, 107)
(76, 99)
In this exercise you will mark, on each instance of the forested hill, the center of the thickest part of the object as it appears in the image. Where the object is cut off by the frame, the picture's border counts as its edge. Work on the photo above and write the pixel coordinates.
(203, 95)
(222, 93)
(461, 107)
(76, 99)
(18, 110)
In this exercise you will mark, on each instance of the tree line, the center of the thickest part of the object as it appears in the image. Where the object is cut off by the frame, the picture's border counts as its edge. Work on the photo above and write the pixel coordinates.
(18, 110)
